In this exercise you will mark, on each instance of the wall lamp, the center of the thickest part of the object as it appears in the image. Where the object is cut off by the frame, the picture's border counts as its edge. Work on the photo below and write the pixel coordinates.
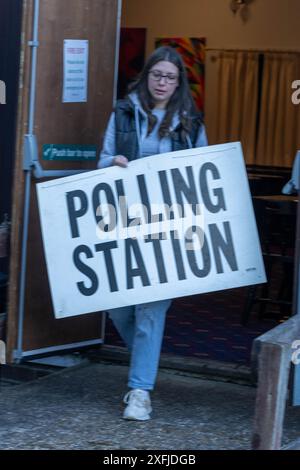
(242, 7)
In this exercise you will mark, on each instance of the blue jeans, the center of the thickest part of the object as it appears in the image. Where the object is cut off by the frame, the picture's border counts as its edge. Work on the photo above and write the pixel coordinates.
(141, 327)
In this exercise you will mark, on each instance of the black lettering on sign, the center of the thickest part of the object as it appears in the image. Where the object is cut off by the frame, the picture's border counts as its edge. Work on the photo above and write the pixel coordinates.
(191, 251)
(186, 188)
(178, 255)
(106, 189)
(110, 269)
(151, 218)
(126, 220)
(219, 204)
(223, 245)
(132, 249)
(86, 270)
(166, 193)
(155, 239)
(74, 213)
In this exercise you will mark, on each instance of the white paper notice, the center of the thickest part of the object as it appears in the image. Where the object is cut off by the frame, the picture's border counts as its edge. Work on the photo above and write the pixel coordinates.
(76, 57)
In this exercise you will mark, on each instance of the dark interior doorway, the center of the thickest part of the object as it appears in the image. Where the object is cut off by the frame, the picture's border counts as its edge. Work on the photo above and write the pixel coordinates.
(10, 38)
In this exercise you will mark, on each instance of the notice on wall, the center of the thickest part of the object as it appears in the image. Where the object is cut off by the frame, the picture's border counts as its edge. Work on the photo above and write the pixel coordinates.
(167, 226)
(75, 81)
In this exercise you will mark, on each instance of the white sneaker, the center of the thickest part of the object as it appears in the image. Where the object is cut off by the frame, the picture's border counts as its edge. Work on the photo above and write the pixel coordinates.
(138, 405)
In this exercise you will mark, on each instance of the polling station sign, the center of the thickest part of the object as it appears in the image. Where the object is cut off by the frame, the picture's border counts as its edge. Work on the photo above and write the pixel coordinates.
(167, 226)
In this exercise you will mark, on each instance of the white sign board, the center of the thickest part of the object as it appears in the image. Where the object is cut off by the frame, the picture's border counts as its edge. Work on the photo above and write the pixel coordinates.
(167, 226)
(76, 58)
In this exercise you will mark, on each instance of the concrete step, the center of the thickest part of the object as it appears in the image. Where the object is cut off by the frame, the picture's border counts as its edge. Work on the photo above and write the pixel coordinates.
(225, 371)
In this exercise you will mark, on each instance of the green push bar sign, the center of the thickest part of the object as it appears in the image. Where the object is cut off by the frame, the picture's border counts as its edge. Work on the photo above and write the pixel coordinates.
(69, 152)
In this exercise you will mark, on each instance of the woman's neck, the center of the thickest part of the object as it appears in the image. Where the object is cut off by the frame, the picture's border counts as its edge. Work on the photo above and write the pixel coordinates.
(159, 110)
(161, 105)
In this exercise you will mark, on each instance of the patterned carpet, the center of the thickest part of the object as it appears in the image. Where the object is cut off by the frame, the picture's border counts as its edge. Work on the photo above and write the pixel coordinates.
(209, 326)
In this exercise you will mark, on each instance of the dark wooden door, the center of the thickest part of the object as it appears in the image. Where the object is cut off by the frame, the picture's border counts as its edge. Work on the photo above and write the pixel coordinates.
(57, 123)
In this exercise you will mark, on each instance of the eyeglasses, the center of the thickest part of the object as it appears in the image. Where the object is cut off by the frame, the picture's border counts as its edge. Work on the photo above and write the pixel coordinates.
(156, 75)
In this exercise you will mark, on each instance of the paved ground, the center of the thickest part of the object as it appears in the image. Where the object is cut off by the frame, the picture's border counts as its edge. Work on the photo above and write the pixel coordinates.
(80, 408)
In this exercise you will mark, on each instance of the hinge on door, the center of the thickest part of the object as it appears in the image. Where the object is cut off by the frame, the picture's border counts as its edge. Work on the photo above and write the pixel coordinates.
(30, 151)
(33, 43)
(17, 355)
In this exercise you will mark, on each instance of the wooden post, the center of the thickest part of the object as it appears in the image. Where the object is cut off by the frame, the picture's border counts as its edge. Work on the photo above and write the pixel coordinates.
(271, 396)
(272, 352)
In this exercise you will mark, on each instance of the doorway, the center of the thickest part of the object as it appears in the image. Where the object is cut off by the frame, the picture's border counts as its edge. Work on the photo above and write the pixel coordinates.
(209, 326)
(10, 36)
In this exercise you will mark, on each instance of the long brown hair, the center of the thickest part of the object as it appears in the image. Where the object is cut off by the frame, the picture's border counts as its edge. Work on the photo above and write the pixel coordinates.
(181, 101)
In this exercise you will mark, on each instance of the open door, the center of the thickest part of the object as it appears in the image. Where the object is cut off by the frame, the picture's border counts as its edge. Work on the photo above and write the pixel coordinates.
(45, 120)
(295, 388)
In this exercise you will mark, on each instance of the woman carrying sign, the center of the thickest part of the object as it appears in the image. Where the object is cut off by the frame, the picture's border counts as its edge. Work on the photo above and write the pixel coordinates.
(158, 116)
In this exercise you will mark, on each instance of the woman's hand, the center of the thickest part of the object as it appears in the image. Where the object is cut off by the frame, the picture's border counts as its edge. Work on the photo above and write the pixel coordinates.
(120, 160)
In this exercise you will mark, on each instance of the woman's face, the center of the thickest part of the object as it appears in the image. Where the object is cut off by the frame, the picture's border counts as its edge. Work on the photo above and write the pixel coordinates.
(163, 79)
